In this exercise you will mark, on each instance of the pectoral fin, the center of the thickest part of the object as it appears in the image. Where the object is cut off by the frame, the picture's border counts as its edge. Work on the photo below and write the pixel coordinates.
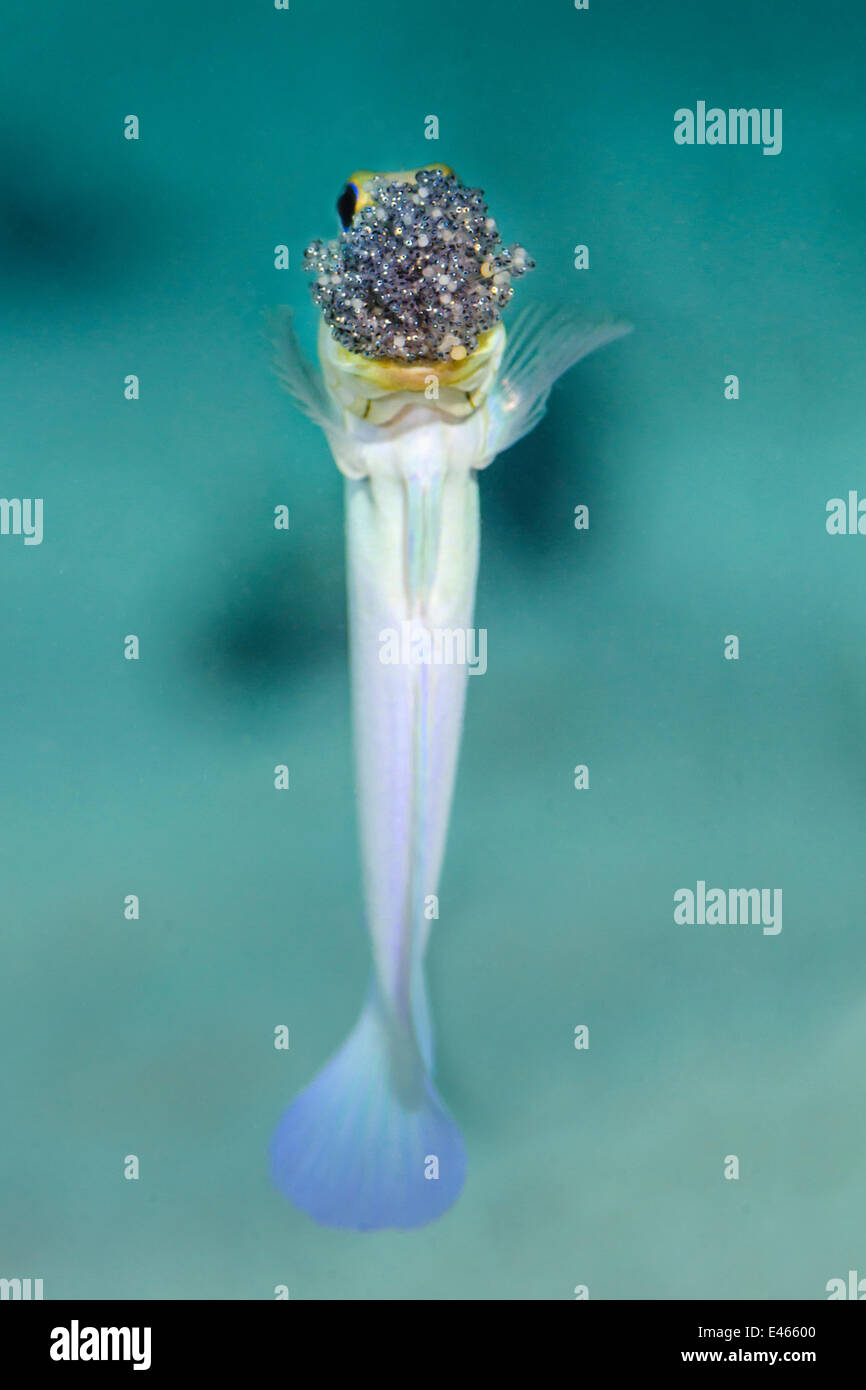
(542, 344)
(302, 381)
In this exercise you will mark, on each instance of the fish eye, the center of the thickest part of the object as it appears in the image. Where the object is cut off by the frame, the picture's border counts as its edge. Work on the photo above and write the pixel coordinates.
(347, 203)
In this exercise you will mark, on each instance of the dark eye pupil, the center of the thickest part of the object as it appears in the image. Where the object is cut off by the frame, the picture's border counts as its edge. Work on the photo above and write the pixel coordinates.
(346, 203)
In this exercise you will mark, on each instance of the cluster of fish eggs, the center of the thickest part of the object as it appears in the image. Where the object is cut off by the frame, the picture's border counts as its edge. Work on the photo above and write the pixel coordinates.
(419, 273)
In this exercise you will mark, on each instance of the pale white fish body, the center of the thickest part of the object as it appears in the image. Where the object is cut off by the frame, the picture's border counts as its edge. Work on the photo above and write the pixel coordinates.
(412, 558)
(412, 534)
(357, 1146)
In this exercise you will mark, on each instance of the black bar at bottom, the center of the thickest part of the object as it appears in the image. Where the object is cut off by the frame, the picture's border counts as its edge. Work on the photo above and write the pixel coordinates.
(299, 1339)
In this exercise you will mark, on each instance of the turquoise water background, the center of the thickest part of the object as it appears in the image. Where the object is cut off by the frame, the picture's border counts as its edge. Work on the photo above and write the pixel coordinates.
(707, 517)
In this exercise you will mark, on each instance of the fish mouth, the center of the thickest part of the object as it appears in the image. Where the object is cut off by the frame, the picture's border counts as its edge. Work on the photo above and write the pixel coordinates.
(392, 374)
(416, 281)
(376, 389)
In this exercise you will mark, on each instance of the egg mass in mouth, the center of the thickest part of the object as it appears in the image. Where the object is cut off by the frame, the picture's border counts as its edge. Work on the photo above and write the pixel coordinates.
(419, 271)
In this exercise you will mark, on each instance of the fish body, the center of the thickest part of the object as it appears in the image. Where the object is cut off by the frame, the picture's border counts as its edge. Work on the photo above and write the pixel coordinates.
(370, 1143)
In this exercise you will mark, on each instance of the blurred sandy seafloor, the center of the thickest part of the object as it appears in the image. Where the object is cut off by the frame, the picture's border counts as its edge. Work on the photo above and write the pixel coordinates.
(707, 517)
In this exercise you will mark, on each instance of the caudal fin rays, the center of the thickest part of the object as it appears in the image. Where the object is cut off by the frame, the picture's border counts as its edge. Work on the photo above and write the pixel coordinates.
(351, 1153)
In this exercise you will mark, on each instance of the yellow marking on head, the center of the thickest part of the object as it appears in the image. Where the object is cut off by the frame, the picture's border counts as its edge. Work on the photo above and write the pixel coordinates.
(361, 176)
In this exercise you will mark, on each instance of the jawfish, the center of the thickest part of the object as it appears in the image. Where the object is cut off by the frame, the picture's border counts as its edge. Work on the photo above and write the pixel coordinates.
(419, 388)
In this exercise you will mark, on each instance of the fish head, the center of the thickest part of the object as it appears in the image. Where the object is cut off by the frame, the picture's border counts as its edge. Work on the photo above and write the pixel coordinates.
(412, 290)
(354, 197)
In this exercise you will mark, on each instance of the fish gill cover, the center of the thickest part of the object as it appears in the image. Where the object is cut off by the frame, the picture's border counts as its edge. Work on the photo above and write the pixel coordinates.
(419, 273)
